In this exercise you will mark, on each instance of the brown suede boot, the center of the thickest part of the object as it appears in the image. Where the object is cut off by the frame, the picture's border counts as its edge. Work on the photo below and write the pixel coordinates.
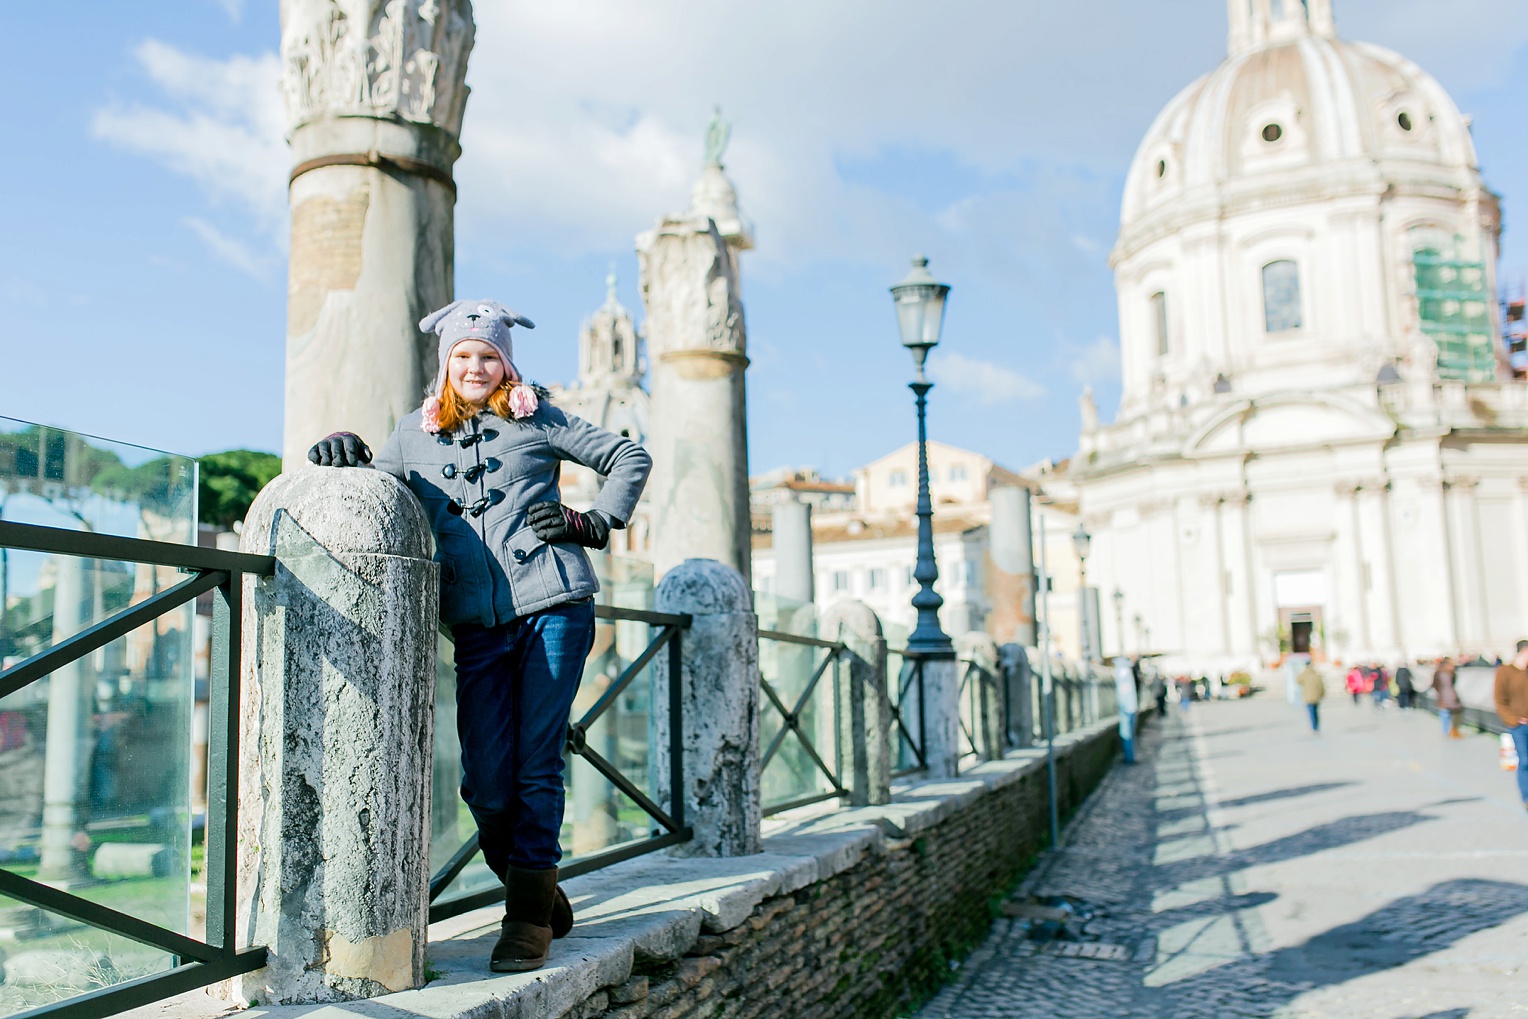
(526, 933)
(562, 914)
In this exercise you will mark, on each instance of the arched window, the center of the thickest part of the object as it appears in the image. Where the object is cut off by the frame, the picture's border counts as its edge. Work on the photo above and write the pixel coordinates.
(1281, 296)
(1159, 320)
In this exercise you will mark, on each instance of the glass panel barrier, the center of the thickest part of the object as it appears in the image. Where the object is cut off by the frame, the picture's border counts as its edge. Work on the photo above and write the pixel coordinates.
(106, 739)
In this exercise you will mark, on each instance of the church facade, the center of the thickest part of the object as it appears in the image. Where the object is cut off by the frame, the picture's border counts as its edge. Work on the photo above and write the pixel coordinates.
(1318, 446)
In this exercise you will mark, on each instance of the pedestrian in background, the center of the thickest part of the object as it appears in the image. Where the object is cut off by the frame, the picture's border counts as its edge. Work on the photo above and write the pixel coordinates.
(1379, 680)
(1128, 702)
(1447, 697)
(1312, 690)
(1185, 693)
(1355, 683)
(1405, 693)
(1512, 705)
(1159, 694)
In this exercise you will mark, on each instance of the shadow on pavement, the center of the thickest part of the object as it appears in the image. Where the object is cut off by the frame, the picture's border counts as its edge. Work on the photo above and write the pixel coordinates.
(1284, 794)
(1396, 934)
(1341, 832)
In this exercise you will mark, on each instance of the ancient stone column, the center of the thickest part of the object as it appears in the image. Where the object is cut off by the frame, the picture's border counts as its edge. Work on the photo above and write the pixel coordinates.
(792, 528)
(336, 734)
(69, 748)
(374, 101)
(865, 741)
(1011, 568)
(719, 700)
(697, 347)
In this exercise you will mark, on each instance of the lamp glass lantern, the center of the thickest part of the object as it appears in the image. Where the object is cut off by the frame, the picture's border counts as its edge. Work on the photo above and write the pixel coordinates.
(920, 310)
(1082, 541)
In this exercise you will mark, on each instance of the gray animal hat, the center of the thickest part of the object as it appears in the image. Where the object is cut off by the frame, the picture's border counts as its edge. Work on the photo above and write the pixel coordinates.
(488, 321)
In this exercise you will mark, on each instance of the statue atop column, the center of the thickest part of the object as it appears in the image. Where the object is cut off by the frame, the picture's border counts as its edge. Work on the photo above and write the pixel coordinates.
(698, 346)
(718, 133)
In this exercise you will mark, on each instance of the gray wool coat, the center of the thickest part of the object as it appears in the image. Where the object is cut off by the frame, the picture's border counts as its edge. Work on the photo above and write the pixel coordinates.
(493, 568)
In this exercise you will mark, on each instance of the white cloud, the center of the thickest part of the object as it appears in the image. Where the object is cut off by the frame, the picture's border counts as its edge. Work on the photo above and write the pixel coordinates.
(1096, 362)
(230, 249)
(222, 128)
(594, 128)
(233, 8)
(988, 382)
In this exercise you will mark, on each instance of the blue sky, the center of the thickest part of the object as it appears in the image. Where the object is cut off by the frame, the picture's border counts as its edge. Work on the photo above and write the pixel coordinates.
(142, 274)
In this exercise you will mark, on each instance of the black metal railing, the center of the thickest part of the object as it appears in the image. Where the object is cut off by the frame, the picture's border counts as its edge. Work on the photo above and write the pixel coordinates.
(984, 711)
(910, 750)
(1482, 720)
(195, 963)
(791, 724)
(671, 821)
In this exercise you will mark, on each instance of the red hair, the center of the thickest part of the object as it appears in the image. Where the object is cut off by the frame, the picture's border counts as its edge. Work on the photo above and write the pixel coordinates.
(455, 411)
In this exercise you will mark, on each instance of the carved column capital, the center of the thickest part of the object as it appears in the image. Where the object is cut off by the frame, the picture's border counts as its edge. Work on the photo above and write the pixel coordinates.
(690, 290)
(399, 60)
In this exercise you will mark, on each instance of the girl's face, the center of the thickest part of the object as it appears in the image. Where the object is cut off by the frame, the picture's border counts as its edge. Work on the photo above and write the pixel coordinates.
(475, 369)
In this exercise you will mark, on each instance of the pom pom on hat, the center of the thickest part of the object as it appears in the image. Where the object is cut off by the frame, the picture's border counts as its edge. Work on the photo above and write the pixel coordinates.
(522, 401)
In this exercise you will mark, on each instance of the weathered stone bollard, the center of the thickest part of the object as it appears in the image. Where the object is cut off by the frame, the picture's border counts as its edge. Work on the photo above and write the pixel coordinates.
(864, 708)
(1021, 706)
(719, 696)
(940, 704)
(336, 738)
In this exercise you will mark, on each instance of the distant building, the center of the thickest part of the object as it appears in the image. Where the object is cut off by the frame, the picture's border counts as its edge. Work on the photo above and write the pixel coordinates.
(609, 393)
(1318, 445)
(865, 547)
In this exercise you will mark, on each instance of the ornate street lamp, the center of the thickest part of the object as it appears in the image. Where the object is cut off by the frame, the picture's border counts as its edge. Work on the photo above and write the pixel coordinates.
(919, 301)
(1082, 541)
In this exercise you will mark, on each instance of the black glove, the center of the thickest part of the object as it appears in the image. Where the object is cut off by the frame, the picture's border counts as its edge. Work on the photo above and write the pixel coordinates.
(554, 523)
(342, 449)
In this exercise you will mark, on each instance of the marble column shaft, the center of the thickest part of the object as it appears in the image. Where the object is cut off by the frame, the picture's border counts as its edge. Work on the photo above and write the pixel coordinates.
(374, 110)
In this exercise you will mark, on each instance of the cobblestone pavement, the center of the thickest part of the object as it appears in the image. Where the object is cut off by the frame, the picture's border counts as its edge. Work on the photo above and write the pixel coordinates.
(1247, 867)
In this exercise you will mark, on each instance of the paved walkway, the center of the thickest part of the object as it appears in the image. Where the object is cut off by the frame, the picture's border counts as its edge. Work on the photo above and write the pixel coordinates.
(1250, 868)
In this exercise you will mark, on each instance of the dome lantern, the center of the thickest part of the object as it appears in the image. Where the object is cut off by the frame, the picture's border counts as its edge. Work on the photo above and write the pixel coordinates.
(1256, 23)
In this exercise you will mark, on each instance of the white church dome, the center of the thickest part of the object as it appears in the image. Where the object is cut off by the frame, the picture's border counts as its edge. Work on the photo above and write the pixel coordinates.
(1291, 97)
(1275, 213)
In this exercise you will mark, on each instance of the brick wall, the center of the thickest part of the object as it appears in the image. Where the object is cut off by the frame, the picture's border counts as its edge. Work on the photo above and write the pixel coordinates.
(874, 940)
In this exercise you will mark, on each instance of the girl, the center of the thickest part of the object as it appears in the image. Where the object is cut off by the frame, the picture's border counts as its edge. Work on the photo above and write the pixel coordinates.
(516, 589)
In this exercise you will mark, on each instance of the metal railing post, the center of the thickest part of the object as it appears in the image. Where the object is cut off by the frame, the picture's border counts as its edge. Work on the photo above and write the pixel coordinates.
(676, 729)
(223, 765)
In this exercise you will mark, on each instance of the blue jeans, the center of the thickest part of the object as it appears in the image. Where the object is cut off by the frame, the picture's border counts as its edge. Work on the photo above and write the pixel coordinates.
(1127, 735)
(514, 688)
(1447, 718)
(1520, 741)
(1315, 716)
